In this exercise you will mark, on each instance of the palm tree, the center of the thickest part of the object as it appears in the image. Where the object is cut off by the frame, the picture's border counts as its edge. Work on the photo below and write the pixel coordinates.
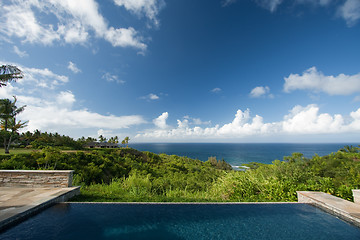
(9, 73)
(350, 149)
(126, 141)
(8, 112)
(102, 138)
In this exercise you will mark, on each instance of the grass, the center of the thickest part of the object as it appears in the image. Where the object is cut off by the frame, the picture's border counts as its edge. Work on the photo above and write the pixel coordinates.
(17, 150)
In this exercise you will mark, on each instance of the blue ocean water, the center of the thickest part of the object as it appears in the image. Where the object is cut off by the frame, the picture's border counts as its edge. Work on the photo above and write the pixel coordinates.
(183, 221)
(237, 154)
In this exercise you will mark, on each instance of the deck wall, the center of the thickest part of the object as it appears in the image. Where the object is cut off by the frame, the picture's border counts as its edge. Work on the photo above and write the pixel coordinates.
(36, 178)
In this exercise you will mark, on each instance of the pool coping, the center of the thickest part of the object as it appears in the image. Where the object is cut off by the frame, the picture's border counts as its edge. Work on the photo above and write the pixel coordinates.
(341, 208)
(185, 203)
(25, 202)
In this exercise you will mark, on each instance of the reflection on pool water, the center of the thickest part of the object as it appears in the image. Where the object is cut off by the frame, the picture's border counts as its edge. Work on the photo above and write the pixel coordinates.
(183, 221)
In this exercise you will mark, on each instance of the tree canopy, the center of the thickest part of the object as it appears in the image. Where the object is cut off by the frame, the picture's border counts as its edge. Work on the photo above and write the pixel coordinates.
(9, 125)
(9, 73)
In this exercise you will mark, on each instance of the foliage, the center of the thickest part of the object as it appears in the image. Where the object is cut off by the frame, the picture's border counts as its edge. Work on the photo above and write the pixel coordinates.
(9, 73)
(40, 140)
(9, 125)
(126, 174)
(219, 164)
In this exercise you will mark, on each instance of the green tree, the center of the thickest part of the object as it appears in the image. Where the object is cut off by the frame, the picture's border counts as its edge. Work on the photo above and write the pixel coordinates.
(9, 73)
(349, 149)
(102, 138)
(9, 125)
(126, 141)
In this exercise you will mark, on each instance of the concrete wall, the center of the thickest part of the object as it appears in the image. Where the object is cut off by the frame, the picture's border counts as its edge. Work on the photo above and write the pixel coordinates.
(36, 178)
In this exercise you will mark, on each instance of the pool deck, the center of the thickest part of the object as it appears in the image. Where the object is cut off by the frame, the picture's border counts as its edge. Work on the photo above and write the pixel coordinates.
(339, 207)
(18, 203)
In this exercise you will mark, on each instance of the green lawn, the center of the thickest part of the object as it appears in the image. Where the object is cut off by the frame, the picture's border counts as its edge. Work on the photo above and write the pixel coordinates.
(17, 150)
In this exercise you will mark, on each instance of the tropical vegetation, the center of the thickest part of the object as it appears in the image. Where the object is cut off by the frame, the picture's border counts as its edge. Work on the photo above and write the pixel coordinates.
(9, 73)
(9, 125)
(125, 174)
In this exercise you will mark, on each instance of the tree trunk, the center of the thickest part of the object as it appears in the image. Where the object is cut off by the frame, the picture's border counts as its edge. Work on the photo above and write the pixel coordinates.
(8, 146)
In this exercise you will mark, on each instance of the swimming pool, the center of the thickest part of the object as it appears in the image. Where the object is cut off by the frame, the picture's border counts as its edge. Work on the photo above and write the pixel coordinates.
(182, 221)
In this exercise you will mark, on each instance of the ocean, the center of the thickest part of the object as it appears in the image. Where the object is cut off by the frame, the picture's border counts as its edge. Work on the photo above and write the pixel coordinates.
(237, 154)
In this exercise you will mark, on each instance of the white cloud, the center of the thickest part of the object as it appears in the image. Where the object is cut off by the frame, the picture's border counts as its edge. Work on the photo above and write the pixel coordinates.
(153, 96)
(35, 78)
(56, 118)
(350, 11)
(150, 97)
(261, 91)
(307, 120)
(75, 23)
(20, 53)
(150, 8)
(43, 78)
(160, 121)
(112, 78)
(196, 121)
(57, 111)
(316, 81)
(183, 124)
(124, 37)
(216, 90)
(72, 66)
(301, 121)
(19, 20)
(65, 99)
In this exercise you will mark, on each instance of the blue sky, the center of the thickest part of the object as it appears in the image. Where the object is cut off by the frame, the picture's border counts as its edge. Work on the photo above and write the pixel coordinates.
(187, 70)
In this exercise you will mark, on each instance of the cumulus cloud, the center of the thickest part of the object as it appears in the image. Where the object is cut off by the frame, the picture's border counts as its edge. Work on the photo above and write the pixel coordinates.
(307, 120)
(299, 122)
(65, 98)
(350, 11)
(57, 111)
(261, 91)
(55, 118)
(76, 22)
(43, 78)
(72, 66)
(149, 8)
(20, 53)
(160, 121)
(196, 121)
(315, 81)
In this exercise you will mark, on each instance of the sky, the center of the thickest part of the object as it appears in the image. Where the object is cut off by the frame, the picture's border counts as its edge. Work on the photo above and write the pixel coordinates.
(186, 70)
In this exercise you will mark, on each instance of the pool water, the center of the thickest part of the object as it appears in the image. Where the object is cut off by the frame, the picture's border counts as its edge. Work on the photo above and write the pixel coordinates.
(183, 221)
